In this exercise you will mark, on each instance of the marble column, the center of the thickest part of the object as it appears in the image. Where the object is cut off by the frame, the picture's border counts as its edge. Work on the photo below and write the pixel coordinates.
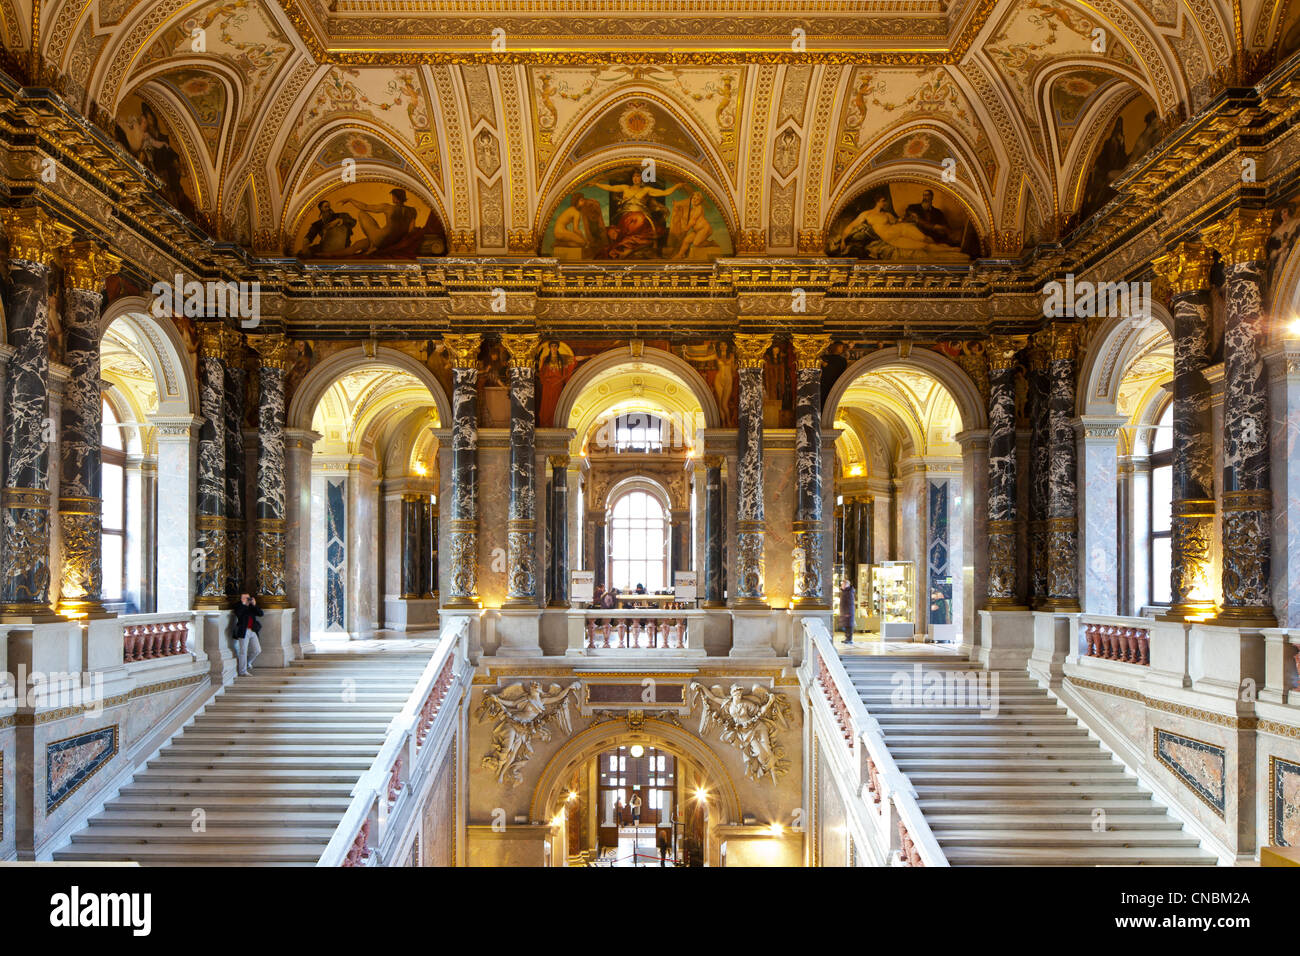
(521, 526)
(410, 511)
(1040, 454)
(462, 519)
(598, 549)
(1062, 474)
(864, 532)
(809, 528)
(236, 377)
(86, 266)
(1187, 270)
(25, 501)
(272, 588)
(428, 547)
(680, 522)
(750, 530)
(713, 493)
(559, 465)
(210, 526)
(1240, 238)
(1003, 570)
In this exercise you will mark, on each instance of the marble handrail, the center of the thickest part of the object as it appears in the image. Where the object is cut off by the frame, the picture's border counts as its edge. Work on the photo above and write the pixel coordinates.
(384, 794)
(652, 629)
(892, 798)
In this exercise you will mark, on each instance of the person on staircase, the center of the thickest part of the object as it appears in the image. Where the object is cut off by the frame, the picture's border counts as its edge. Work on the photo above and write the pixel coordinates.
(246, 626)
(847, 597)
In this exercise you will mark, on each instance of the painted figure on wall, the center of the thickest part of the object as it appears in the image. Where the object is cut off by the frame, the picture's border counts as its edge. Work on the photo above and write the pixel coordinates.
(370, 221)
(724, 383)
(1134, 131)
(933, 226)
(554, 369)
(622, 216)
(147, 139)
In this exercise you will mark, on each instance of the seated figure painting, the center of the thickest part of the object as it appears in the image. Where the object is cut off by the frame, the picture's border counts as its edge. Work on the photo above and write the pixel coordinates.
(369, 221)
(623, 215)
(904, 222)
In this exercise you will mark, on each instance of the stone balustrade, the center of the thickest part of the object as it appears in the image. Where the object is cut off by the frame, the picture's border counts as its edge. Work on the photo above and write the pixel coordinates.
(636, 632)
(596, 631)
(1115, 642)
(154, 639)
(836, 701)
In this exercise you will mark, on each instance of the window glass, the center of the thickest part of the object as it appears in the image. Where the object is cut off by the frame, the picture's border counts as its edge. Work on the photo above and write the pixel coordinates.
(1160, 554)
(112, 433)
(1162, 494)
(111, 547)
(638, 540)
(1163, 439)
(112, 492)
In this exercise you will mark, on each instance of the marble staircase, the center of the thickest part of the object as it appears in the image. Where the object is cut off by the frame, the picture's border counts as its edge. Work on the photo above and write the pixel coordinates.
(1026, 785)
(264, 773)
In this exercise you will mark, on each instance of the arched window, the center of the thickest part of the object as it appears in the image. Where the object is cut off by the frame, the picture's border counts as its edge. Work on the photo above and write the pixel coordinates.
(113, 491)
(1162, 495)
(638, 538)
(638, 431)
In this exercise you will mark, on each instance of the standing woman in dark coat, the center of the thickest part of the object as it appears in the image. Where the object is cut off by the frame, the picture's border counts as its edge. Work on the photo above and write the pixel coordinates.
(246, 626)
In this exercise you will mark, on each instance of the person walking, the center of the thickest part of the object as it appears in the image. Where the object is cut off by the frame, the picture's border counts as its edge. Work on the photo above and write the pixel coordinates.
(847, 597)
(636, 809)
(246, 626)
(661, 834)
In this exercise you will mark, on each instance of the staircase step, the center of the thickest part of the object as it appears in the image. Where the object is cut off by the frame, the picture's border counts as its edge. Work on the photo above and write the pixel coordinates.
(1048, 819)
(1096, 856)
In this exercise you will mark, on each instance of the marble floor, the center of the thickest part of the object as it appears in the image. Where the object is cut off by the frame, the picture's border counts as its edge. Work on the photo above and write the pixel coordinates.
(636, 847)
(869, 645)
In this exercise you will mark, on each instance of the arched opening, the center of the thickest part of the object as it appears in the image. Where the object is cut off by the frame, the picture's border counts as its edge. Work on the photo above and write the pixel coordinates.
(898, 538)
(373, 516)
(637, 422)
(581, 787)
(146, 463)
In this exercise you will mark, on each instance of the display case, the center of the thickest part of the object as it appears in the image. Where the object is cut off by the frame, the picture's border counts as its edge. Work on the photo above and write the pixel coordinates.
(893, 596)
(867, 616)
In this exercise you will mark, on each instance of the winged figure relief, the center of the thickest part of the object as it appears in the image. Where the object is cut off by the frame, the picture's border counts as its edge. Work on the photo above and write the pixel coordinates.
(747, 721)
(522, 713)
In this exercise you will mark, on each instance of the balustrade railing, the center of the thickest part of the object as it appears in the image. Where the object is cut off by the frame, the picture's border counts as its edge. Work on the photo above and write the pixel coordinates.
(636, 632)
(885, 809)
(385, 793)
(148, 640)
(1117, 642)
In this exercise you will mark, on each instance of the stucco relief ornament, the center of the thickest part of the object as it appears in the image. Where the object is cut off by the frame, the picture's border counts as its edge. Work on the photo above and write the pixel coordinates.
(522, 713)
(747, 721)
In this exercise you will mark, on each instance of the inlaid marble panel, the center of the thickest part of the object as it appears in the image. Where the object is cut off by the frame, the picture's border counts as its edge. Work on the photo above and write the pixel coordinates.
(71, 762)
(335, 554)
(1199, 765)
(1284, 802)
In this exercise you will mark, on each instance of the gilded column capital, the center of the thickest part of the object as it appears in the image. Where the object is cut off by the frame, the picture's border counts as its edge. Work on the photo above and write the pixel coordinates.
(712, 461)
(1186, 267)
(87, 265)
(751, 348)
(558, 461)
(463, 348)
(1240, 235)
(809, 349)
(522, 348)
(1064, 341)
(233, 340)
(272, 349)
(212, 339)
(34, 235)
(1002, 351)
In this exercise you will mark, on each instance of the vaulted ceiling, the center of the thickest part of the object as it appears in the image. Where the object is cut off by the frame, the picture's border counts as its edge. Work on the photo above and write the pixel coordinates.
(783, 118)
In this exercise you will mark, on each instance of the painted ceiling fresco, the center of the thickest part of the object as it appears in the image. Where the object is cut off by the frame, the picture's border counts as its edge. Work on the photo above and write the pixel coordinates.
(245, 109)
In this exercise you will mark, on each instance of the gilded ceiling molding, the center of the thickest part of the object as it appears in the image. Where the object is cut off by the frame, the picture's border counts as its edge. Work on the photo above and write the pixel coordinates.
(816, 184)
(757, 116)
(1169, 96)
(513, 128)
(1009, 133)
(450, 110)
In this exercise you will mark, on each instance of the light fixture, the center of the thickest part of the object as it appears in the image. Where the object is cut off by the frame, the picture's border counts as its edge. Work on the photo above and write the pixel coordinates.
(701, 795)
(573, 795)
(776, 829)
(637, 750)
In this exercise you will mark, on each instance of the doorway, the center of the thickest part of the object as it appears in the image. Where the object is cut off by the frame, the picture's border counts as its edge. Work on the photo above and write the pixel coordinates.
(636, 801)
